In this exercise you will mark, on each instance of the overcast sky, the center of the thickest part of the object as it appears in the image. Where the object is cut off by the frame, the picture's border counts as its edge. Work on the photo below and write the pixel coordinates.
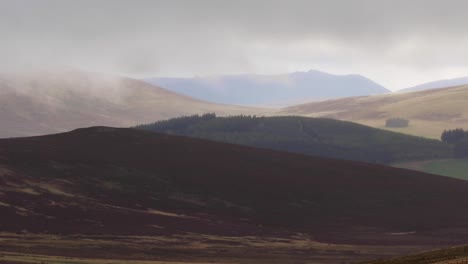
(396, 43)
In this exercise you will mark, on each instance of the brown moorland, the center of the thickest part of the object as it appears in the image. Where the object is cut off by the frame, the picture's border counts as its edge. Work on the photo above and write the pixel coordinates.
(144, 195)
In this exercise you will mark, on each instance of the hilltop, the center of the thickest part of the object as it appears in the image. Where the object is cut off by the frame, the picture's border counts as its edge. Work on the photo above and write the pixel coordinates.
(429, 112)
(437, 84)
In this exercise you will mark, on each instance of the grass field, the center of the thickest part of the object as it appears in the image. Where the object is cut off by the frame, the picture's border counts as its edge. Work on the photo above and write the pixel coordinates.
(429, 112)
(184, 249)
(453, 255)
(33, 258)
(455, 168)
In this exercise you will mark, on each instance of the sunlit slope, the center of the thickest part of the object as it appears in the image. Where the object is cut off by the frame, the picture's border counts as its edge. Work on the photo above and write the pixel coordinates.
(429, 112)
(54, 101)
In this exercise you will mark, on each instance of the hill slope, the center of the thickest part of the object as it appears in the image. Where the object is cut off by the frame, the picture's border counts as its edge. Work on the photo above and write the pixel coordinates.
(437, 84)
(319, 137)
(125, 181)
(271, 90)
(429, 112)
(453, 255)
(46, 102)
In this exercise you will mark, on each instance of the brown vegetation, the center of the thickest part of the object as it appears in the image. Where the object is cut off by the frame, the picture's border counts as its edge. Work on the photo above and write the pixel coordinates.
(430, 111)
(121, 183)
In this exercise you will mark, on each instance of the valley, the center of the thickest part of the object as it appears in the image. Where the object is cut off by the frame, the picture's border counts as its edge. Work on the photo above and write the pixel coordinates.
(455, 168)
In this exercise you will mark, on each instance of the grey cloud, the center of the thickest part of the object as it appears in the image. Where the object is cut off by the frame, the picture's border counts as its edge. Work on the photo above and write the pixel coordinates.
(206, 37)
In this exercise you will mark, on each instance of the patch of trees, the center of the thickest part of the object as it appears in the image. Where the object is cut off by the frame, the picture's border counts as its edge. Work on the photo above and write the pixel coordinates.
(397, 122)
(311, 136)
(459, 138)
(453, 136)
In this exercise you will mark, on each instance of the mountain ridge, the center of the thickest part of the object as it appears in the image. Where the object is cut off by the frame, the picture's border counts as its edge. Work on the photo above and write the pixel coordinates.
(268, 90)
(438, 84)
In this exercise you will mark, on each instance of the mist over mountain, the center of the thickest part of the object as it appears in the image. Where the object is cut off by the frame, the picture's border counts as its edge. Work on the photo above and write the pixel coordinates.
(41, 102)
(437, 84)
(271, 90)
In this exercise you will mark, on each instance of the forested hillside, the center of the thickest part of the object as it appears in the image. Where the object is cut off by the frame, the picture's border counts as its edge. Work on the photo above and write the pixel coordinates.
(312, 136)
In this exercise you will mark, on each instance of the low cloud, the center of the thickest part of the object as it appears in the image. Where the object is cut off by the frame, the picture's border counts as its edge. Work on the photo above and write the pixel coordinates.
(397, 43)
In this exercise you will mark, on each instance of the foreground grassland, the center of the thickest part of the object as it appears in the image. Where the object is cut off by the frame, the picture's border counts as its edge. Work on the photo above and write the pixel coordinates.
(454, 255)
(455, 168)
(31, 258)
(181, 249)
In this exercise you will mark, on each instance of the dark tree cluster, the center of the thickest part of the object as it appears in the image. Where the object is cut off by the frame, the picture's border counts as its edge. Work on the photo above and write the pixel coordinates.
(459, 138)
(453, 136)
(397, 122)
(311, 136)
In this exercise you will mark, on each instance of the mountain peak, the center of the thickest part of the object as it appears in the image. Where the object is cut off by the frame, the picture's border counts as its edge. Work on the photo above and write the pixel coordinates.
(267, 90)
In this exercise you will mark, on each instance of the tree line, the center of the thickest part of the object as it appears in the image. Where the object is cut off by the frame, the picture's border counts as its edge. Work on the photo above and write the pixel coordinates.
(311, 136)
(459, 139)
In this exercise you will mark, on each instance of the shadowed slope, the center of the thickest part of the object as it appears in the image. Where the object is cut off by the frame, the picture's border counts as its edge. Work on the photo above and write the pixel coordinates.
(124, 181)
(313, 136)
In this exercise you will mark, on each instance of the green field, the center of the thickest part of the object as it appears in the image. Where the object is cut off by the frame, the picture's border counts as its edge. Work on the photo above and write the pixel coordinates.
(456, 168)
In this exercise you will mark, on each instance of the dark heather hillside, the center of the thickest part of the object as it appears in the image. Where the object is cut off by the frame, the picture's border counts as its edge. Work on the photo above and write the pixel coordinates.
(312, 136)
(271, 90)
(126, 181)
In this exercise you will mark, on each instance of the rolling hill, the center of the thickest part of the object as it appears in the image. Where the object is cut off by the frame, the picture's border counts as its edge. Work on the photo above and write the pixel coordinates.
(430, 112)
(312, 136)
(271, 90)
(129, 193)
(437, 84)
(55, 101)
(453, 255)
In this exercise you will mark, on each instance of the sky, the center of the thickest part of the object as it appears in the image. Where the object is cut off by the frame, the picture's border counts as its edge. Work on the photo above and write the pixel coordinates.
(395, 43)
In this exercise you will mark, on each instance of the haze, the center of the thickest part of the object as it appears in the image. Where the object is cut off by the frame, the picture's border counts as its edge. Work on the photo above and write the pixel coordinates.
(395, 43)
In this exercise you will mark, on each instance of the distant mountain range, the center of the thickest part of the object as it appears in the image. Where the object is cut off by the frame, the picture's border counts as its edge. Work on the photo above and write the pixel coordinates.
(437, 84)
(35, 103)
(271, 90)
(55, 101)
